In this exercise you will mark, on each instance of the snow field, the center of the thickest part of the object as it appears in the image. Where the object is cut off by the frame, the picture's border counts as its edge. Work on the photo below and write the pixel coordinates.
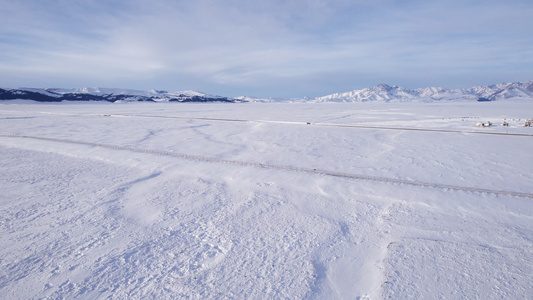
(81, 221)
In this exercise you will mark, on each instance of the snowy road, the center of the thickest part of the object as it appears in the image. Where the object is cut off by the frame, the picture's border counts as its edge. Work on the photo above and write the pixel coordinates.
(95, 207)
(314, 124)
(333, 125)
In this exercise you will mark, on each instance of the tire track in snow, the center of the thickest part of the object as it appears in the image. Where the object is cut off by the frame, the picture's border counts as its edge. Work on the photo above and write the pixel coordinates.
(283, 167)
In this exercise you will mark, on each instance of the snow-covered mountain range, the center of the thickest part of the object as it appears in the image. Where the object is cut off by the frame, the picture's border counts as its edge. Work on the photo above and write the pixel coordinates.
(381, 93)
(107, 94)
(386, 93)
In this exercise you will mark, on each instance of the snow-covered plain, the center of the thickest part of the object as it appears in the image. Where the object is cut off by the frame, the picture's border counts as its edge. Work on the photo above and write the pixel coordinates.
(169, 201)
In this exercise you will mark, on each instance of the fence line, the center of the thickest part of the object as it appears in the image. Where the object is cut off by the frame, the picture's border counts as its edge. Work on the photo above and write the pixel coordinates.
(284, 167)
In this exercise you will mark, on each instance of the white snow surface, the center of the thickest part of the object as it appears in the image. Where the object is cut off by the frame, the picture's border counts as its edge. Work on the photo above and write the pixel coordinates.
(255, 201)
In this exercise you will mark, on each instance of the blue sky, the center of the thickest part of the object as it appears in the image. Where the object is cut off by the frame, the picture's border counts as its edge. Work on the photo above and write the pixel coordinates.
(264, 48)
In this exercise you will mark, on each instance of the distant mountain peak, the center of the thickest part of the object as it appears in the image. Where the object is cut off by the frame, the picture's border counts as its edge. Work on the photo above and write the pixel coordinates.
(383, 87)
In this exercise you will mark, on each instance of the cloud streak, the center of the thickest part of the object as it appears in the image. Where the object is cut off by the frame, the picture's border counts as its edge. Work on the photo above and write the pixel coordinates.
(264, 48)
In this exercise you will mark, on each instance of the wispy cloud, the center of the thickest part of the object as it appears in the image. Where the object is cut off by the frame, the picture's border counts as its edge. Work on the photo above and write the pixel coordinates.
(286, 48)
